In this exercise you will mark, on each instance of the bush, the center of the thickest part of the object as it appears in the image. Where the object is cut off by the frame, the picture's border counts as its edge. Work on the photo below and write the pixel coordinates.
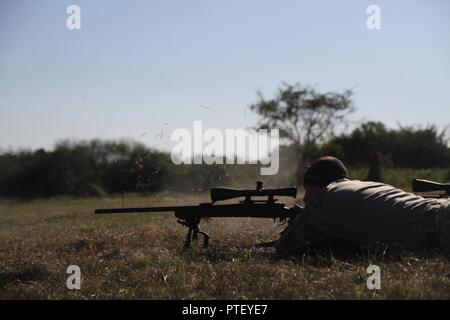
(406, 147)
(92, 168)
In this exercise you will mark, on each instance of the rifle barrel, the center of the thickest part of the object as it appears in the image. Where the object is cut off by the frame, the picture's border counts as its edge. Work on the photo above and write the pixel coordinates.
(137, 210)
(250, 210)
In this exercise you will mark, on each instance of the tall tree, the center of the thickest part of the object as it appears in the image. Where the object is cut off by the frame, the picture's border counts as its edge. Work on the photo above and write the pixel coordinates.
(303, 116)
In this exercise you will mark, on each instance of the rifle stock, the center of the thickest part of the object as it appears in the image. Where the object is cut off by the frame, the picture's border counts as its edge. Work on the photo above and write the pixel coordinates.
(420, 185)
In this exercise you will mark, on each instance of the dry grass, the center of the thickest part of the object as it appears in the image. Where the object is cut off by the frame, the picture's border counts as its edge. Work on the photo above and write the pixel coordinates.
(140, 256)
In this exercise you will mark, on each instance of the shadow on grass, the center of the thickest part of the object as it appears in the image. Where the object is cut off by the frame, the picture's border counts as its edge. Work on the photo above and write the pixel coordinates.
(331, 252)
(322, 256)
(25, 274)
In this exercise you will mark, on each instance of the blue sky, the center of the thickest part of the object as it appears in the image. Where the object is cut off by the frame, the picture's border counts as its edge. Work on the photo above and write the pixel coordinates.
(139, 68)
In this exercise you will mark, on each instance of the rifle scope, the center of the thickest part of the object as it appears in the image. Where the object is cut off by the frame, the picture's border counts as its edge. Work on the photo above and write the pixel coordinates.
(218, 194)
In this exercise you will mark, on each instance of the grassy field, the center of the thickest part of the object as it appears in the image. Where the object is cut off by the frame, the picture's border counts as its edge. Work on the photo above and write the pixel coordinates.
(140, 256)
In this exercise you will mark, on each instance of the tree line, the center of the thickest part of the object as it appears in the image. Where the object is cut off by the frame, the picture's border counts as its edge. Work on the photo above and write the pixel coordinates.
(404, 147)
(95, 168)
(305, 118)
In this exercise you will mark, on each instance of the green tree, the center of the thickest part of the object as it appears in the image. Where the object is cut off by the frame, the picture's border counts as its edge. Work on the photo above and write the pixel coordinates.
(303, 116)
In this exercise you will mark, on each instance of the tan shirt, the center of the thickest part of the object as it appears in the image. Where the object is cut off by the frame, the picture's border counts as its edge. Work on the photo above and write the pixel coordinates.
(362, 212)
